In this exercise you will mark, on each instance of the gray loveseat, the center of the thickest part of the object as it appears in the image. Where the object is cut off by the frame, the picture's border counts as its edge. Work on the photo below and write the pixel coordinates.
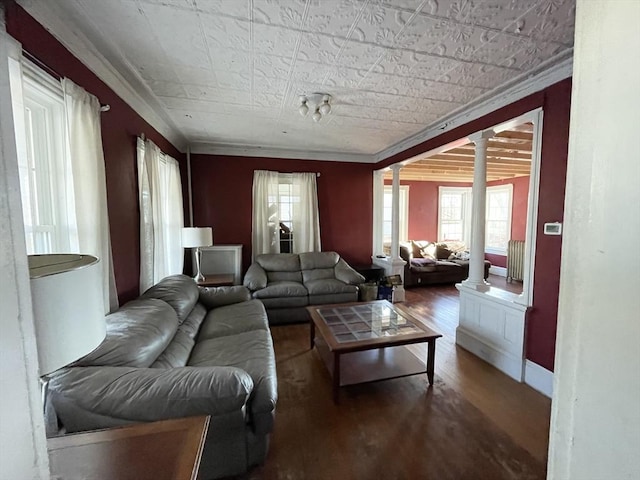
(286, 283)
(180, 351)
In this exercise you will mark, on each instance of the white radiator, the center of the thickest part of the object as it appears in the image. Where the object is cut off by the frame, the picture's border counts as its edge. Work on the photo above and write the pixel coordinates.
(515, 260)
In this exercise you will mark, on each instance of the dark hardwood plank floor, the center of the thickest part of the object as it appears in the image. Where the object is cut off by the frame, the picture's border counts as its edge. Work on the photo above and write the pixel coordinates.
(474, 423)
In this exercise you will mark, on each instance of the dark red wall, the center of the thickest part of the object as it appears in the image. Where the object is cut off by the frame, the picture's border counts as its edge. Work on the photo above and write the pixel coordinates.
(120, 126)
(556, 101)
(222, 199)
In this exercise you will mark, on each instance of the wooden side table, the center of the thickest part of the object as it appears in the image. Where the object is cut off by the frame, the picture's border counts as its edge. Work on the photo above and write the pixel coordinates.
(217, 280)
(165, 450)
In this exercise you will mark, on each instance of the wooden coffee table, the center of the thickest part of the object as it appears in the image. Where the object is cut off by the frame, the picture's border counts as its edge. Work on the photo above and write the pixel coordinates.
(374, 329)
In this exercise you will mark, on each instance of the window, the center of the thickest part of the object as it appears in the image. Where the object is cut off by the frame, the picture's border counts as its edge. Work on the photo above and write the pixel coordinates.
(288, 196)
(386, 214)
(498, 229)
(45, 179)
(454, 216)
(61, 167)
(285, 213)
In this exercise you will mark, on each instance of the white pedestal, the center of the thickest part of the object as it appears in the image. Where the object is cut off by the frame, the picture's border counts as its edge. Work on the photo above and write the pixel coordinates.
(393, 266)
(219, 259)
(492, 326)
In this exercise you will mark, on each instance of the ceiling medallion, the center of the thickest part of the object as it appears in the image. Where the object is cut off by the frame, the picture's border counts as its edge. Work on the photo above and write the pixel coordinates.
(318, 102)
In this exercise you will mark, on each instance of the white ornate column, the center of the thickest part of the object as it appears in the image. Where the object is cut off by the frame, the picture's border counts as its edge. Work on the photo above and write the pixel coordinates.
(478, 214)
(397, 263)
(395, 212)
(491, 324)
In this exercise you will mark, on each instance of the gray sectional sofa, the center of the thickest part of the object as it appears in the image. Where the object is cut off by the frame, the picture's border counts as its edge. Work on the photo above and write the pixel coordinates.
(180, 351)
(286, 283)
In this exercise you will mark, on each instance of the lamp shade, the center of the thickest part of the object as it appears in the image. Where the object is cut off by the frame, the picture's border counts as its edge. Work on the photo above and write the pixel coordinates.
(197, 237)
(68, 308)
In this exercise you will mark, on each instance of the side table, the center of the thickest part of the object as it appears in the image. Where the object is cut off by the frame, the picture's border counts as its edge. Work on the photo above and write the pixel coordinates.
(164, 450)
(371, 273)
(217, 280)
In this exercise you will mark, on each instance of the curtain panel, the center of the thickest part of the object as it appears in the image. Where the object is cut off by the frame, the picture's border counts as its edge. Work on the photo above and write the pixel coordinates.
(265, 219)
(306, 221)
(79, 219)
(89, 182)
(161, 214)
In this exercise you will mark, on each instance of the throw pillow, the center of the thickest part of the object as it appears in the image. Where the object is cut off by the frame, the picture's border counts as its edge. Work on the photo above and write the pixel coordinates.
(416, 249)
(429, 250)
(442, 252)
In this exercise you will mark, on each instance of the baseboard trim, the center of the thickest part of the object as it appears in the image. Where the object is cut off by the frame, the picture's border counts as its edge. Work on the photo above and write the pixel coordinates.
(503, 361)
(499, 271)
(539, 378)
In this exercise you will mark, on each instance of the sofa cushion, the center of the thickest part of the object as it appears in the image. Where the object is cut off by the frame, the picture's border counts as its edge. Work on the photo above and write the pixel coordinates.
(279, 262)
(329, 286)
(281, 289)
(137, 334)
(278, 276)
(333, 298)
(179, 291)
(318, 274)
(177, 352)
(212, 297)
(192, 324)
(233, 319)
(252, 352)
(314, 260)
(285, 302)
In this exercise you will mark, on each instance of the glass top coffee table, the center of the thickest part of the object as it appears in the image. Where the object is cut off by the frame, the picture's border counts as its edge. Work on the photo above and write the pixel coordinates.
(363, 327)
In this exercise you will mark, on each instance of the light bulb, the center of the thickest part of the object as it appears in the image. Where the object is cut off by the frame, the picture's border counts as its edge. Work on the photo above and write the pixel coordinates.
(316, 116)
(325, 108)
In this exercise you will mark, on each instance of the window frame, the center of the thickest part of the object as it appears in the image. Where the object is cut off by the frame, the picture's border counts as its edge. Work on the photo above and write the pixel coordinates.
(467, 205)
(403, 221)
(45, 176)
(492, 190)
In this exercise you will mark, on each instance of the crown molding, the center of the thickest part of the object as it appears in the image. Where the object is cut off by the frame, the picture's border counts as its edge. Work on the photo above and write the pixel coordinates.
(102, 61)
(268, 152)
(547, 73)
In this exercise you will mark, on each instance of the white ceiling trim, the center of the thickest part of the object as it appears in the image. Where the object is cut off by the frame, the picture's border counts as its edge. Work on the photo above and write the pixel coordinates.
(553, 71)
(291, 154)
(132, 91)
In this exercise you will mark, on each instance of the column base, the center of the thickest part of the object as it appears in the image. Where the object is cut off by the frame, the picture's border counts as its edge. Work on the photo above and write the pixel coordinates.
(482, 286)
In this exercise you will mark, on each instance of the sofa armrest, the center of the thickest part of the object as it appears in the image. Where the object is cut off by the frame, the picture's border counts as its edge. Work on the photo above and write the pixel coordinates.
(86, 398)
(255, 278)
(212, 297)
(345, 273)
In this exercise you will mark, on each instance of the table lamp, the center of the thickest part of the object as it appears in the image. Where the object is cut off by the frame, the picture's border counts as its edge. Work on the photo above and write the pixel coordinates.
(196, 237)
(68, 309)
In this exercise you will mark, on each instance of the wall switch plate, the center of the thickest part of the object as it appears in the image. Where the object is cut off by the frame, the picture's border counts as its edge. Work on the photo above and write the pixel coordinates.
(553, 228)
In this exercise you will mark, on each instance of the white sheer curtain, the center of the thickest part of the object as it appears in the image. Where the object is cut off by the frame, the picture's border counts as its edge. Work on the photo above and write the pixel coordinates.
(161, 214)
(89, 182)
(265, 218)
(306, 221)
(300, 201)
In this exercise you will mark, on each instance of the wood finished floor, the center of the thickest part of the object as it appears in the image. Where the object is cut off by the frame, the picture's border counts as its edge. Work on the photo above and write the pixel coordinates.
(474, 423)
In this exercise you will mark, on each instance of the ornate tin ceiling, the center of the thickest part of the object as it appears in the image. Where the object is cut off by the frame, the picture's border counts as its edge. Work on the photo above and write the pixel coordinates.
(229, 72)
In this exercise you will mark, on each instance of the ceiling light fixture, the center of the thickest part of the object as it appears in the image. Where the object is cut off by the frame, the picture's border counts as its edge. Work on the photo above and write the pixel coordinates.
(319, 103)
